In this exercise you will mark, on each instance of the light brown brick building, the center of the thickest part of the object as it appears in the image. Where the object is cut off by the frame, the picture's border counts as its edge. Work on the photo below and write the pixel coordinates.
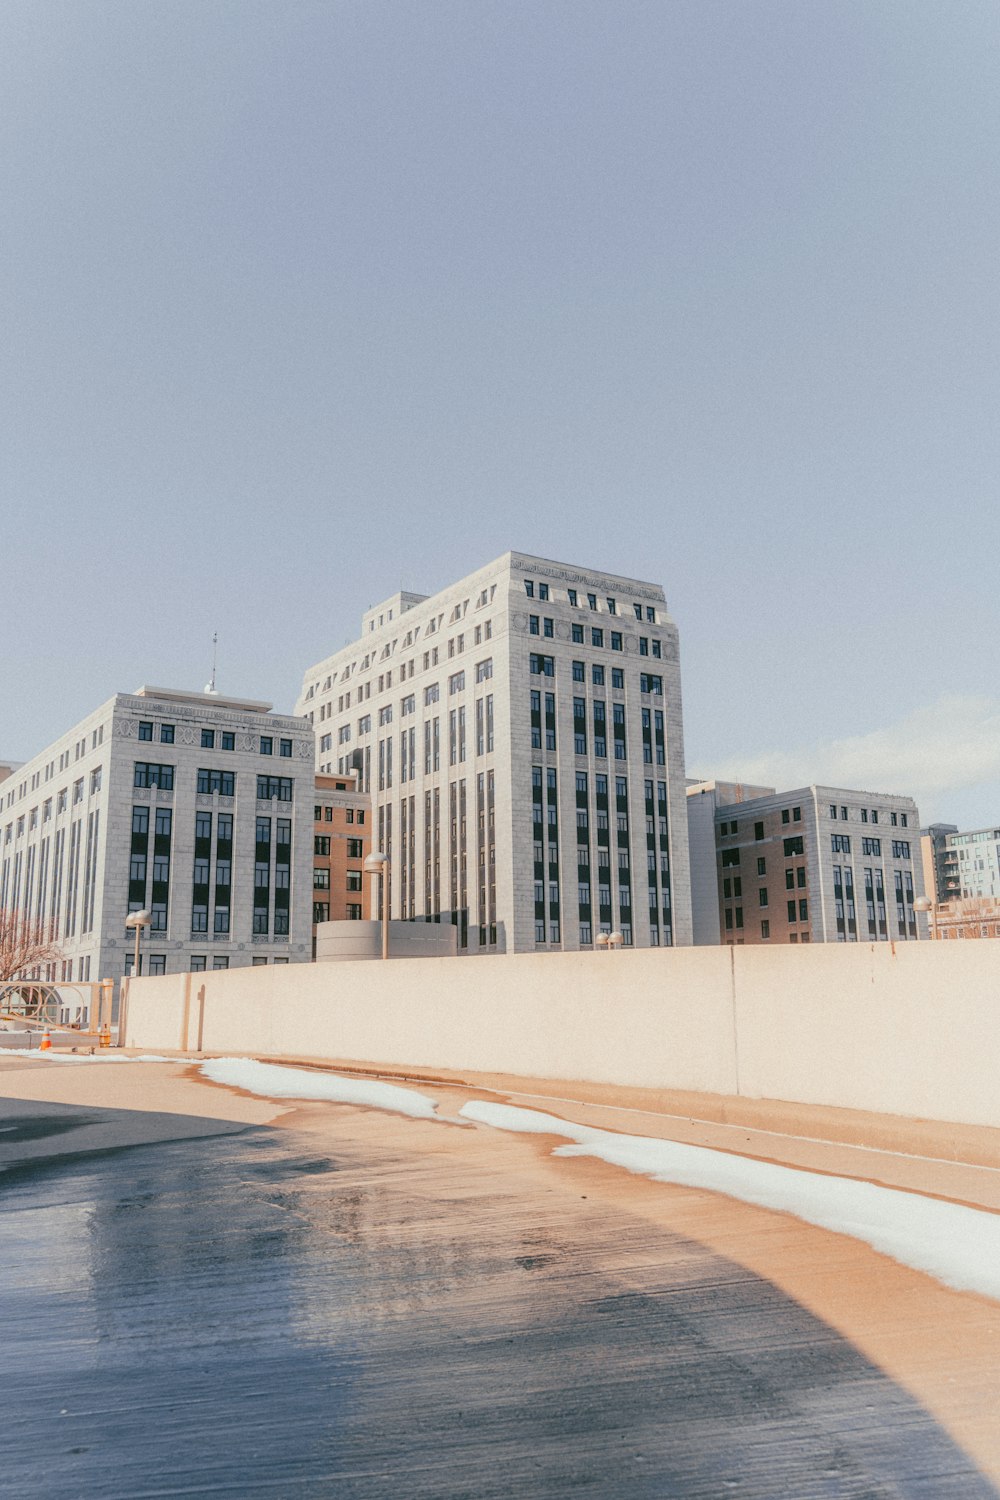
(341, 840)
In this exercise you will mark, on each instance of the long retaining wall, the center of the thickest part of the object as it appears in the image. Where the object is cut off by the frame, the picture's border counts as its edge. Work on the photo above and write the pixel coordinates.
(912, 1030)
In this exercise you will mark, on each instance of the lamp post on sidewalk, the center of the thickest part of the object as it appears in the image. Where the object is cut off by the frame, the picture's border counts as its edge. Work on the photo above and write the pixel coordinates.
(925, 903)
(377, 866)
(138, 920)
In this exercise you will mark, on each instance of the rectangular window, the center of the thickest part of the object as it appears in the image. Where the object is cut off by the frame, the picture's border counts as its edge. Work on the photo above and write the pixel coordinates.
(596, 636)
(147, 774)
(266, 745)
(223, 782)
(762, 867)
(285, 749)
(793, 846)
(208, 739)
(145, 730)
(576, 632)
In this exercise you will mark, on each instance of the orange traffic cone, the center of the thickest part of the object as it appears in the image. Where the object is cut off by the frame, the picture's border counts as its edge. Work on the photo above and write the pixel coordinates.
(45, 1045)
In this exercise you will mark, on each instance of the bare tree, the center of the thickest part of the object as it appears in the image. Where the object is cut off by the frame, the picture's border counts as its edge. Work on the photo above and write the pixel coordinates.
(976, 916)
(24, 944)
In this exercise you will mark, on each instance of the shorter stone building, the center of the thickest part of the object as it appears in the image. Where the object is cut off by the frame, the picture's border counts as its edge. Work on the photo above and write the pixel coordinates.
(193, 806)
(341, 843)
(814, 865)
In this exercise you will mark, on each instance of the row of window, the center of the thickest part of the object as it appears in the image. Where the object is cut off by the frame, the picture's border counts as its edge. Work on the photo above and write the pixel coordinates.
(226, 737)
(573, 597)
(16, 828)
(211, 781)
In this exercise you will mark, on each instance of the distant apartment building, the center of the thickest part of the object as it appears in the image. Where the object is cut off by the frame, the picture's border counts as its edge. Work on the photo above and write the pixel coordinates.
(341, 841)
(520, 736)
(961, 866)
(195, 807)
(814, 865)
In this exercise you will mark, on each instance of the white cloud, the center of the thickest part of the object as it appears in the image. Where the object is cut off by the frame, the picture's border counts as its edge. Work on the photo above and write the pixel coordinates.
(950, 746)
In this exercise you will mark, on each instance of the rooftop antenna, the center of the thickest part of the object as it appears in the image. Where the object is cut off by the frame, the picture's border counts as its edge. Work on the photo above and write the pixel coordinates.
(210, 686)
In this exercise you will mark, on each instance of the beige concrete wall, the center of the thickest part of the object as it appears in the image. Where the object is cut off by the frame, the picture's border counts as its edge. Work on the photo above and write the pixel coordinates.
(912, 1031)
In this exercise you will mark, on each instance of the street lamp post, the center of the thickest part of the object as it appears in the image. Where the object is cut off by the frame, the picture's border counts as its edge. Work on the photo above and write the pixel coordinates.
(138, 920)
(377, 866)
(609, 941)
(925, 903)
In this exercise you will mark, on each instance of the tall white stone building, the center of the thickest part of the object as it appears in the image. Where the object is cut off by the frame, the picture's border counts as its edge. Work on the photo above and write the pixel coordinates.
(520, 734)
(196, 807)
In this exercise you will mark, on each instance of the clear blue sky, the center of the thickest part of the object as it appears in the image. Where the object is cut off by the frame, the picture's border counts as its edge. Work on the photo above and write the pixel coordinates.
(302, 302)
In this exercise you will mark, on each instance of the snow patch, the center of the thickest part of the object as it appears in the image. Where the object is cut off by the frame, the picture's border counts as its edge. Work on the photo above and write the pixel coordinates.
(959, 1246)
(83, 1057)
(277, 1082)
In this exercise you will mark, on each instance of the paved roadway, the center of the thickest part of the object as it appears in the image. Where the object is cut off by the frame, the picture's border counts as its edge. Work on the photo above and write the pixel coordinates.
(236, 1311)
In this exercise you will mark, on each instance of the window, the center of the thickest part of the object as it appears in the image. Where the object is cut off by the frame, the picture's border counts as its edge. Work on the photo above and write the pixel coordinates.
(542, 666)
(145, 729)
(591, 601)
(762, 896)
(534, 625)
(758, 831)
(796, 815)
(220, 960)
(147, 774)
(548, 628)
(321, 911)
(166, 734)
(792, 915)
(228, 743)
(456, 684)
(432, 694)
(596, 636)
(579, 671)
(321, 843)
(197, 963)
(793, 846)
(223, 782)
(529, 587)
(208, 739)
(321, 879)
(765, 929)
(285, 749)
(785, 815)
(543, 591)
(269, 787)
(803, 911)
(354, 880)
(762, 867)
(618, 679)
(789, 880)
(616, 640)
(840, 843)
(597, 676)
(871, 846)
(355, 848)
(577, 634)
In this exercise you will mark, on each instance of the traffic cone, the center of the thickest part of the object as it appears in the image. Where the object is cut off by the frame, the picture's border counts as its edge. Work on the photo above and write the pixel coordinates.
(45, 1045)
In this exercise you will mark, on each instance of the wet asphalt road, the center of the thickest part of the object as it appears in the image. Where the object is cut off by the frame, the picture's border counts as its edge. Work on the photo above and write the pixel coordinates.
(231, 1314)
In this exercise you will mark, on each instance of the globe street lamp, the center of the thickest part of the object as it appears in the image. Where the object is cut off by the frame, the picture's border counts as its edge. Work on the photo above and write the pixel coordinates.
(138, 920)
(924, 903)
(377, 866)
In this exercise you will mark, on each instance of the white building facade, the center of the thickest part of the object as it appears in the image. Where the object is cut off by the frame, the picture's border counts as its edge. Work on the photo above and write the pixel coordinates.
(520, 735)
(195, 807)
